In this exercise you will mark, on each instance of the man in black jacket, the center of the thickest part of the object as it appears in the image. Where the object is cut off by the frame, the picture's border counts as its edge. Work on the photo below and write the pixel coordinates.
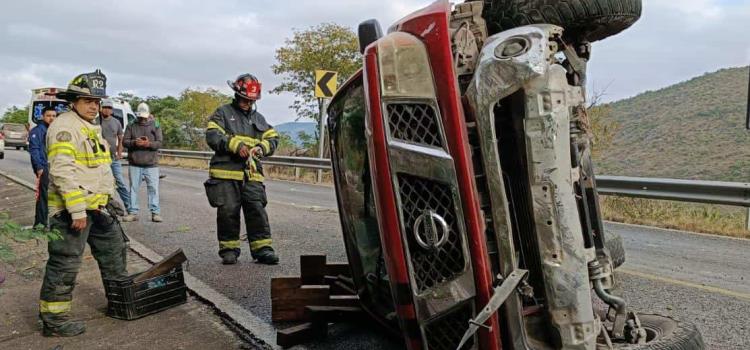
(240, 137)
(143, 140)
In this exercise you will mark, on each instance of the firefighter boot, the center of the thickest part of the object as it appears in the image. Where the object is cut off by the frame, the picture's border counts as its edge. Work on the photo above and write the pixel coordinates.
(229, 257)
(60, 325)
(266, 255)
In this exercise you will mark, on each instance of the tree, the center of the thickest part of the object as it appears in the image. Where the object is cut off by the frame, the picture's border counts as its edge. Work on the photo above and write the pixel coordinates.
(16, 115)
(195, 107)
(327, 46)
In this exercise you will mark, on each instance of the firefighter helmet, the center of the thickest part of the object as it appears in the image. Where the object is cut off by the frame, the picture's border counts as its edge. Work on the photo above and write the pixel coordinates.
(91, 85)
(246, 86)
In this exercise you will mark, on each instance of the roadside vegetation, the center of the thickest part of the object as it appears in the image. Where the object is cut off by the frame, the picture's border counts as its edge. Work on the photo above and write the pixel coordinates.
(12, 233)
(609, 131)
(705, 218)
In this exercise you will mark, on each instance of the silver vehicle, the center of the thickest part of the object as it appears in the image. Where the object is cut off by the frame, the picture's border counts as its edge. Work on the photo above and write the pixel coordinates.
(15, 135)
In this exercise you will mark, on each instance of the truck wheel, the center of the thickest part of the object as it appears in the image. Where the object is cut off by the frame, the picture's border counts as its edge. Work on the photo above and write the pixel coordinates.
(616, 249)
(664, 333)
(583, 20)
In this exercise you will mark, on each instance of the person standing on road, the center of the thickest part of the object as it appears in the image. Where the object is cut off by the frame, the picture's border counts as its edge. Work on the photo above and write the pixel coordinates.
(38, 153)
(240, 137)
(80, 188)
(112, 132)
(143, 140)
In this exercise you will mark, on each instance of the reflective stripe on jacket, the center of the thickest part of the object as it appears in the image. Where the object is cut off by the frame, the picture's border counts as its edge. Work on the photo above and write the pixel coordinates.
(79, 166)
(228, 129)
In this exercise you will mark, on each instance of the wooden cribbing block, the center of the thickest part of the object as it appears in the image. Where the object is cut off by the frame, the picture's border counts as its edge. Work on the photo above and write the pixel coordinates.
(312, 268)
(289, 298)
(300, 334)
(344, 300)
(331, 314)
(335, 269)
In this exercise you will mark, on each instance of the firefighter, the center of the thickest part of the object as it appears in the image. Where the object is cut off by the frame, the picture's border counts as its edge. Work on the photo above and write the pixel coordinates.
(80, 188)
(240, 138)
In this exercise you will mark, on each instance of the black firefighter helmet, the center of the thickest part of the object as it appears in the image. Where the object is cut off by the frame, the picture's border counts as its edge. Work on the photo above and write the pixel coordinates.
(246, 86)
(90, 85)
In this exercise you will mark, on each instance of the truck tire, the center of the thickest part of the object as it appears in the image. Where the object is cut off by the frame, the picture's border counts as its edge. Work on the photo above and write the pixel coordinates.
(583, 20)
(665, 333)
(616, 249)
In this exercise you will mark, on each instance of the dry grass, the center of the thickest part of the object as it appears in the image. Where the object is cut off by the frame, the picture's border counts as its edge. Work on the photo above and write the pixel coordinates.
(184, 163)
(705, 218)
(272, 172)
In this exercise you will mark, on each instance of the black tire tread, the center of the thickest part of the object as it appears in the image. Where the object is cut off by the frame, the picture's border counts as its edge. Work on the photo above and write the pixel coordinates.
(685, 336)
(583, 20)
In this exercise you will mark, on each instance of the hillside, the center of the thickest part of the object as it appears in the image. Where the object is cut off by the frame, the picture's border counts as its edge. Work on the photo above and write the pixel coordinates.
(293, 129)
(691, 130)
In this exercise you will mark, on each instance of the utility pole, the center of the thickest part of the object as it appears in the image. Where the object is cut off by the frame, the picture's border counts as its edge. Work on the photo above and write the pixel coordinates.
(321, 135)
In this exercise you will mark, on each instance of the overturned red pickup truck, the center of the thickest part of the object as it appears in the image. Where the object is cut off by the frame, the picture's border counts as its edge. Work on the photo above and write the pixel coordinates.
(462, 160)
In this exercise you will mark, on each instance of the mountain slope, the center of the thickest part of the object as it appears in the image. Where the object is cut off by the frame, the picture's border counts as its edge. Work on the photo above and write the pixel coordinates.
(293, 129)
(691, 130)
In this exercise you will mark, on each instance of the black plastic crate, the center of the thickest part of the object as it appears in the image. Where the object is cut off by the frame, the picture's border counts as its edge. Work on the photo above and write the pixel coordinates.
(129, 301)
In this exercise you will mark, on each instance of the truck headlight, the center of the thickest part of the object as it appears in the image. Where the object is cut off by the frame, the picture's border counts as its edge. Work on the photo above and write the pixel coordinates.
(404, 67)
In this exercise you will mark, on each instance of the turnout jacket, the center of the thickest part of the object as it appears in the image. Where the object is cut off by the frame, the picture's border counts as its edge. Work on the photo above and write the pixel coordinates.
(228, 129)
(79, 166)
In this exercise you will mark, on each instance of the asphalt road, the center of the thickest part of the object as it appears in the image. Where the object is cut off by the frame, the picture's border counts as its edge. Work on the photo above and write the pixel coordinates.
(699, 278)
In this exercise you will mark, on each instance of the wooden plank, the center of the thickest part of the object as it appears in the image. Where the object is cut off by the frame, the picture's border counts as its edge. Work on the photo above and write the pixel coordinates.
(335, 269)
(167, 264)
(344, 300)
(289, 304)
(332, 314)
(312, 268)
(300, 334)
(285, 283)
(340, 288)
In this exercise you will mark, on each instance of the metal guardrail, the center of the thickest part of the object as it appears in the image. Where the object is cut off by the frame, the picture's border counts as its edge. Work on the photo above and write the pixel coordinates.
(712, 192)
(696, 191)
(295, 162)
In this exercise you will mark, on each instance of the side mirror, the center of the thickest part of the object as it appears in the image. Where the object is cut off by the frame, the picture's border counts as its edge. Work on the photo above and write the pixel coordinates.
(369, 31)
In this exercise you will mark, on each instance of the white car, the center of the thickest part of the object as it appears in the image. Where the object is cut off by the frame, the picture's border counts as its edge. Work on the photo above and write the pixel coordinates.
(2, 146)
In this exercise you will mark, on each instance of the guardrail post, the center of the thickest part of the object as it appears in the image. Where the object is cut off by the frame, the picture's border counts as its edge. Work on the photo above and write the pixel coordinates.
(296, 173)
(747, 219)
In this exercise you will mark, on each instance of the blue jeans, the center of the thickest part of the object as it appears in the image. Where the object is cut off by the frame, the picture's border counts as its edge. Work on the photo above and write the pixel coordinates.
(137, 174)
(122, 189)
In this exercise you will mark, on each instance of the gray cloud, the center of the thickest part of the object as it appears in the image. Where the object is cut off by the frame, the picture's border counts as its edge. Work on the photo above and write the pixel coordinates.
(159, 48)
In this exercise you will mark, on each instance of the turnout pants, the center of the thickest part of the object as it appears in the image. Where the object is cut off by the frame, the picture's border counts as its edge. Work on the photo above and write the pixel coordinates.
(232, 196)
(106, 239)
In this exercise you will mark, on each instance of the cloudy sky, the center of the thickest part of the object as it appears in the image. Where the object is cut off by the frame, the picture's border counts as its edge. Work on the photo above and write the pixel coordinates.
(161, 47)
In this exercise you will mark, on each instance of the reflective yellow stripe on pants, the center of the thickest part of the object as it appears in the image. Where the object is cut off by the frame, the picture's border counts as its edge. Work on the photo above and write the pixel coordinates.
(54, 307)
(229, 244)
(255, 245)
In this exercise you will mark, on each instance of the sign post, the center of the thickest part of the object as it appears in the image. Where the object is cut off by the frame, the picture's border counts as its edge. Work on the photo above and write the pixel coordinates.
(325, 87)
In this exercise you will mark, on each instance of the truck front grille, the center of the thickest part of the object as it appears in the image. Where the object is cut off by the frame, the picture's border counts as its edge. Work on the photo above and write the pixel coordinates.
(445, 332)
(414, 122)
(431, 266)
